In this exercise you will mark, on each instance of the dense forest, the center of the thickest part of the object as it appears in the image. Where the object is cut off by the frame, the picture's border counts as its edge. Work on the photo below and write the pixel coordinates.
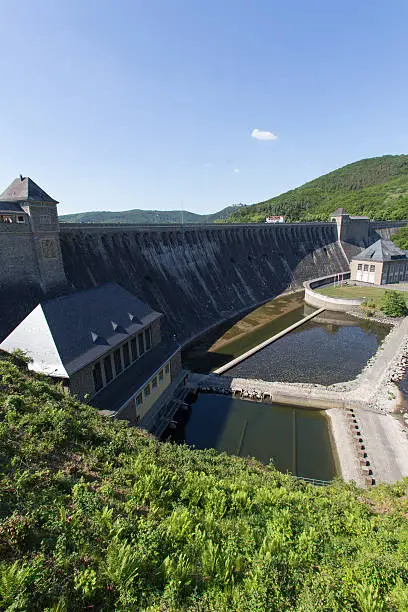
(401, 238)
(97, 515)
(375, 187)
(146, 216)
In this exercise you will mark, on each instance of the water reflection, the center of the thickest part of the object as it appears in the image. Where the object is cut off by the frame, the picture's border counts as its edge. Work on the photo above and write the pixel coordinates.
(296, 440)
(316, 352)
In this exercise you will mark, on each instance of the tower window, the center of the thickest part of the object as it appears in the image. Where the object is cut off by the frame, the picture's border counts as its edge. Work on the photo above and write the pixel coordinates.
(45, 219)
(49, 249)
(148, 338)
(133, 348)
(140, 339)
(118, 361)
(126, 355)
(97, 376)
(107, 364)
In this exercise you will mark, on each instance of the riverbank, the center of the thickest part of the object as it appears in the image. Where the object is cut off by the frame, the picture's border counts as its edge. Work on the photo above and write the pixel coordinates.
(372, 395)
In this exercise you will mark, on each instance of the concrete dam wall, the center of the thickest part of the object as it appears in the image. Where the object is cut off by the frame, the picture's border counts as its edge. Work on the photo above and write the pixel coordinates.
(200, 275)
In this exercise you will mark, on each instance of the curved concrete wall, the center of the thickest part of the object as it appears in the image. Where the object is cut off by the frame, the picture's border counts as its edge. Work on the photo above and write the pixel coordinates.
(323, 301)
(198, 276)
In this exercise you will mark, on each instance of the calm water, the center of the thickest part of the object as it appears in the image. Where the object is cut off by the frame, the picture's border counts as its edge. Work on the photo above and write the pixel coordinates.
(227, 341)
(296, 440)
(331, 348)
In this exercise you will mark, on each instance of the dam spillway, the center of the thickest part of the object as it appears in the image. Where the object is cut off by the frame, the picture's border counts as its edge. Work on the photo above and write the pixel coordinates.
(198, 276)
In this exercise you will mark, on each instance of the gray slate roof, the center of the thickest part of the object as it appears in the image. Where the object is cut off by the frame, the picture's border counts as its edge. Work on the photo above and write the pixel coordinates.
(24, 189)
(7, 207)
(382, 250)
(80, 327)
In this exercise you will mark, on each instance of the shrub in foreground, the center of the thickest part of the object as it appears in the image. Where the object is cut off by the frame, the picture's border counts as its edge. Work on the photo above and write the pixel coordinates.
(96, 515)
(393, 304)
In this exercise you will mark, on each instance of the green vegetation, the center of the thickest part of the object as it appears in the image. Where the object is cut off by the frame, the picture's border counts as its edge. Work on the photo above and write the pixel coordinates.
(375, 187)
(147, 216)
(372, 295)
(94, 514)
(393, 304)
(400, 238)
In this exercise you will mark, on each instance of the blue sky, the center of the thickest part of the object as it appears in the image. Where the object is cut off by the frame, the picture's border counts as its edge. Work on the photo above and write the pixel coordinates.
(113, 105)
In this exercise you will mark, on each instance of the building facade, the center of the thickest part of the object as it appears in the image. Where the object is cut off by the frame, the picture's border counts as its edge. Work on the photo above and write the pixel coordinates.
(382, 263)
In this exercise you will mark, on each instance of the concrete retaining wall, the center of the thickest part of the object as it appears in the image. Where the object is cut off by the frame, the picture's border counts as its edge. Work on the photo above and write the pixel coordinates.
(323, 301)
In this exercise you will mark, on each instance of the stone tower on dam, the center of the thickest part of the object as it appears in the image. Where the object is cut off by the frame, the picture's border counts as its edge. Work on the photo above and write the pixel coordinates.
(196, 275)
(30, 252)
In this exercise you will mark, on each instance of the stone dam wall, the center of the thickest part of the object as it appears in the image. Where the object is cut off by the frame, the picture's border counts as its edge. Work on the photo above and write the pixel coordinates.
(197, 275)
(200, 275)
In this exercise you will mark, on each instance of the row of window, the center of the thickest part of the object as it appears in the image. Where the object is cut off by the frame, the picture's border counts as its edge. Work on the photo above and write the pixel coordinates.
(121, 358)
(365, 268)
(12, 219)
(149, 388)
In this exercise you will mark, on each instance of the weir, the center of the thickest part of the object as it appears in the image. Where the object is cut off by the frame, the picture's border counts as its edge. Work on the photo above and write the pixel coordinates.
(262, 345)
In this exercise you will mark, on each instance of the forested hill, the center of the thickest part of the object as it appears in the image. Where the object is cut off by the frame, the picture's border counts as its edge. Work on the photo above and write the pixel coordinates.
(98, 515)
(375, 187)
(141, 217)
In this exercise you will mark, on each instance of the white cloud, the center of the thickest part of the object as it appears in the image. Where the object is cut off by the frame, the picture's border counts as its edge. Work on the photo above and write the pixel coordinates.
(236, 170)
(260, 135)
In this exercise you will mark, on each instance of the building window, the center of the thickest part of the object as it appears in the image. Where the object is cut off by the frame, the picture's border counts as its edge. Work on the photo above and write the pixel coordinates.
(20, 219)
(167, 368)
(372, 268)
(107, 366)
(118, 361)
(140, 339)
(365, 268)
(148, 338)
(97, 376)
(154, 382)
(147, 391)
(133, 349)
(160, 375)
(126, 355)
(359, 266)
(6, 219)
(45, 219)
(139, 400)
(49, 249)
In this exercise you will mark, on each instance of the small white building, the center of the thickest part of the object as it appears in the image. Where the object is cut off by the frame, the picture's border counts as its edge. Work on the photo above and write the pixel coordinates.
(275, 219)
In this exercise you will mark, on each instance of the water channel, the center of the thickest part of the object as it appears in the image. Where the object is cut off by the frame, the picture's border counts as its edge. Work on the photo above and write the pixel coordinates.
(296, 440)
(333, 347)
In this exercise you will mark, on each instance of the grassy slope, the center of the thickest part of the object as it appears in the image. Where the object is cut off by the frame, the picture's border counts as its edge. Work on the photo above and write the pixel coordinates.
(95, 514)
(146, 216)
(374, 294)
(376, 187)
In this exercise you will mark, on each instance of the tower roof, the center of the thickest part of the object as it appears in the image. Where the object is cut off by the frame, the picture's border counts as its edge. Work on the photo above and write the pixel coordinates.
(382, 250)
(23, 189)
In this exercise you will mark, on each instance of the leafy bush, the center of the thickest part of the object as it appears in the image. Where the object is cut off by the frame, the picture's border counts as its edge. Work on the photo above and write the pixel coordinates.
(393, 304)
(97, 515)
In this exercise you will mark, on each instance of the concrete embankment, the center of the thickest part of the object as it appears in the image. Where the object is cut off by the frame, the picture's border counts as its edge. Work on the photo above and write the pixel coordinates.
(370, 399)
(265, 343)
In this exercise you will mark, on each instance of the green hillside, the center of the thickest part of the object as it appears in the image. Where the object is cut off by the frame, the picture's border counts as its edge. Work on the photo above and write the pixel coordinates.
(375, 187)
(97, 515)
(141, 217)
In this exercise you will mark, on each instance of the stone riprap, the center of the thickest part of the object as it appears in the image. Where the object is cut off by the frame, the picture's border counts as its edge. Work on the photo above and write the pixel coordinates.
(372, 396)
